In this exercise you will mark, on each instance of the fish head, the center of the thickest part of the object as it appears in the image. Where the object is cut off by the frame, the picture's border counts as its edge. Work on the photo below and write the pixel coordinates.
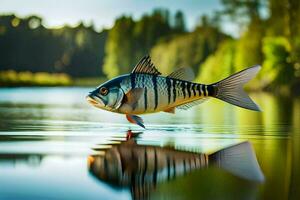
(107, 96)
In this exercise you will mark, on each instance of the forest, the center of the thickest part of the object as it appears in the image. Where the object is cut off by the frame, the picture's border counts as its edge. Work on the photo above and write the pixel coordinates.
(31, 54)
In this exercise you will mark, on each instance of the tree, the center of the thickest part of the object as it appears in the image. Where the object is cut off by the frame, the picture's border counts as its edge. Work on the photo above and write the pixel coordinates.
(26, 45)
(247, 14)
(189, 49)
(179, 24)
(118, 50)
(129, 40)
(218, 65)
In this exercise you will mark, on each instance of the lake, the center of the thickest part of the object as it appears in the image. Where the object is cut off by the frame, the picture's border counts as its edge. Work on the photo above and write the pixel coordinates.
(54, 145)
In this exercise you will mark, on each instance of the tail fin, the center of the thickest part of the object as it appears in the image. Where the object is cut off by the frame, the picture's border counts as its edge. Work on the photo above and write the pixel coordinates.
(239, 160)
(231, 89)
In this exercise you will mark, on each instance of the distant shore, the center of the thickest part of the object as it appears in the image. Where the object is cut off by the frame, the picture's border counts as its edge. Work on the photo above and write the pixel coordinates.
(11, 78)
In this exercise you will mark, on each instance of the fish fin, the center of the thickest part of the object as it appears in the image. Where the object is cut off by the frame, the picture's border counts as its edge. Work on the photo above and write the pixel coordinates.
(170, 110)
(239, 160)
(133, 96)
(130, 137)
(191, 104)
(184, 73)
(145, 66)
(231, 89)
(135, 120)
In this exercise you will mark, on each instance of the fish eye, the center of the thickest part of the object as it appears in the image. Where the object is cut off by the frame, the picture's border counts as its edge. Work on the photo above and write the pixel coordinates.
(103, 91)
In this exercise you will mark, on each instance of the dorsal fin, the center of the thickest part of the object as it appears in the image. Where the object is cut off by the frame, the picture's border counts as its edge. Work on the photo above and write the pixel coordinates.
(145, 66)
(184, 73)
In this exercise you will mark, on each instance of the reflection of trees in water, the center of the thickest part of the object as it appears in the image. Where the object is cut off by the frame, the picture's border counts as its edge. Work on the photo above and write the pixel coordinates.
(41, 116)
(294, 192)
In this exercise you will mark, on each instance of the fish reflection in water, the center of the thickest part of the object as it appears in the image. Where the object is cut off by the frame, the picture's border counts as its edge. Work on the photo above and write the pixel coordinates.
(141, 167)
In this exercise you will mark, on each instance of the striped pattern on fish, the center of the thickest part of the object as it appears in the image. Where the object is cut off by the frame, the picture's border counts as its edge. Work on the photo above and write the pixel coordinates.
(145, 90)
(161, 93)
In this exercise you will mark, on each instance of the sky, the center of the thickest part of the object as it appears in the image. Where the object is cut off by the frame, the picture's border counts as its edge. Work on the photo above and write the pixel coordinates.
(103, 13)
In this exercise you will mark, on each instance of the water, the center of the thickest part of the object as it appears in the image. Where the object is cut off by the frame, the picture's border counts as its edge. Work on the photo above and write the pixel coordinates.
(51, 141)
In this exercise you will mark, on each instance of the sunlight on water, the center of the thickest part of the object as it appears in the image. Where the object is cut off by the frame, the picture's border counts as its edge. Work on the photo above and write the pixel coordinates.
(50, 139)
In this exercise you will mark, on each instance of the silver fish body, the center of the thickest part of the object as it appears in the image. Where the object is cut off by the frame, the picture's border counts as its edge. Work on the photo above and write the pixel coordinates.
(145, 90)
(161, 93)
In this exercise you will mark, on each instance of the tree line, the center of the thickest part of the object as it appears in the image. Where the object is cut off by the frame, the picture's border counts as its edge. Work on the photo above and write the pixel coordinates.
(26, 45)
(269, 36)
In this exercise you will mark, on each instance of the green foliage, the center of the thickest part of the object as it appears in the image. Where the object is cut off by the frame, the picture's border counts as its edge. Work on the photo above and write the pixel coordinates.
(277, 68)
(243, 11)
(278, 21)
(129, 40)
(26, 78)
(219, 65)
(26, 45)
(181, 51)
(249, 47)
(187, 50)
(119, 47)
(271, 40)
(88, 81)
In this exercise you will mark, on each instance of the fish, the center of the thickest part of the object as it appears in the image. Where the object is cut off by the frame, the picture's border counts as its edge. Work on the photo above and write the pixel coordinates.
(141, 167)
(145, 90)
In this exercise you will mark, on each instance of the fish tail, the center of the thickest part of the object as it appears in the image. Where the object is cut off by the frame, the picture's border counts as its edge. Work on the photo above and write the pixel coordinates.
(231, 90)
(239, 160)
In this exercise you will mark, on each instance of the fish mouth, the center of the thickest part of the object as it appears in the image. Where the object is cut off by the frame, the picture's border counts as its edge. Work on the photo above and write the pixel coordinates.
(94, 101)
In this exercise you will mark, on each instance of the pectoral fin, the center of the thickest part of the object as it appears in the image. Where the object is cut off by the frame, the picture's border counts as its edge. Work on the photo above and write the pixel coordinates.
(131, 98)
(135, 120)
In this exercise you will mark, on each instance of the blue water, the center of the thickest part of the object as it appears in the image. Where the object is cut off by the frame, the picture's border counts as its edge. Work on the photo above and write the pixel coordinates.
(48, 135)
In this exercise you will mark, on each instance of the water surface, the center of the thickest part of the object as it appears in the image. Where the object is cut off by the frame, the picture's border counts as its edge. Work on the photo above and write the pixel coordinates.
(50, 136)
